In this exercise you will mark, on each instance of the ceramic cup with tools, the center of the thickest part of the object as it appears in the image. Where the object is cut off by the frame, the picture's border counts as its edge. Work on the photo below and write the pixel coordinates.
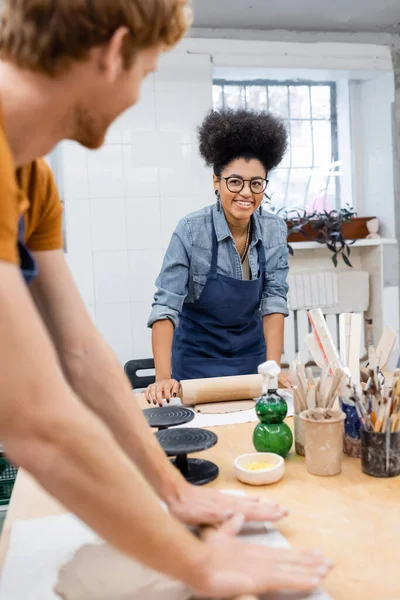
(323, 440)
(380, 453)
(352, 429)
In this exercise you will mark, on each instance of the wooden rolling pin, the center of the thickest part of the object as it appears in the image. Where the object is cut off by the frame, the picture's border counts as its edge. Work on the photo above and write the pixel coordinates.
(220, 389)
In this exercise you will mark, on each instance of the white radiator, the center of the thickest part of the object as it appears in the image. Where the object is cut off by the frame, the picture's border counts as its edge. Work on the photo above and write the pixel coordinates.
(297, 325)
(336, 293)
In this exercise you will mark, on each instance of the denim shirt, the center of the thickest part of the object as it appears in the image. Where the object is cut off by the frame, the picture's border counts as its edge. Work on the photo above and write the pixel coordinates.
(187, 262)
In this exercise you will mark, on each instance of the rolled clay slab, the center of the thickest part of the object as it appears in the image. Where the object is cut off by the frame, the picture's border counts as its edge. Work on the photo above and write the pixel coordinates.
(99, 572)
(220, 408)
(221, 389)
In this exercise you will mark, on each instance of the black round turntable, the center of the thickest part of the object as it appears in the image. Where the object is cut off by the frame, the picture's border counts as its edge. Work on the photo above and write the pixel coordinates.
(180, 442)
(168, 416)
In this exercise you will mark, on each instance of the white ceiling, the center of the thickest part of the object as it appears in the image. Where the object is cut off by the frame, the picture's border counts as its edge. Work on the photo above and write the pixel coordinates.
(300, 15)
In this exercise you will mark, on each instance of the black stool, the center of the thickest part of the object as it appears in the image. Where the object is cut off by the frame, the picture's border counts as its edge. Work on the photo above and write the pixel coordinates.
(168, 416)
(132, 368)
(186, 440)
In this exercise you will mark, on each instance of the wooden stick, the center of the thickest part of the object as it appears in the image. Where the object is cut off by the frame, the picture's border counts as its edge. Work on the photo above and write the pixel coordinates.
(337, 381)
(311, 398)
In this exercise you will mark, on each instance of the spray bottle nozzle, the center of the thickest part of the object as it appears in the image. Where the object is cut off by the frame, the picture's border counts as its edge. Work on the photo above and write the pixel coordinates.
(270, 371)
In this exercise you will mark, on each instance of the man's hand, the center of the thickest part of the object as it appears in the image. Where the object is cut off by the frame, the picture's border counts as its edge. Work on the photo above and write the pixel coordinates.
(235, 567)
(202, 506)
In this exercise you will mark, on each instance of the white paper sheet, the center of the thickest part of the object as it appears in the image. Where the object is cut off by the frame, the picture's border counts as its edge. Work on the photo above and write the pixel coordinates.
(39, 547)
(243, 416)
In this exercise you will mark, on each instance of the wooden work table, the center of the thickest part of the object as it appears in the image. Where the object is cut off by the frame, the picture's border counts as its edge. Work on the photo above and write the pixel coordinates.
(352, 518)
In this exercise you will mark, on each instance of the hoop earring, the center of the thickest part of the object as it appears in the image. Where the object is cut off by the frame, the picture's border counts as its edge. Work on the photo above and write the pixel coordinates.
(218, 200)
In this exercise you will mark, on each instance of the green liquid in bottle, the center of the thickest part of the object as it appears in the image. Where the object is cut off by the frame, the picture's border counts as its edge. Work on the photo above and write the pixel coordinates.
(272, 434)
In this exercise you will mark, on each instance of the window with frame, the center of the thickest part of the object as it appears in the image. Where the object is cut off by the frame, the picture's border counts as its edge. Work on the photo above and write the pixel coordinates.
(308, 176)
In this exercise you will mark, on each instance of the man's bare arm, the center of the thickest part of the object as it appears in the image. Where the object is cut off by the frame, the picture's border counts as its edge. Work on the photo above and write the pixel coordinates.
(46, 430)
(95, 373)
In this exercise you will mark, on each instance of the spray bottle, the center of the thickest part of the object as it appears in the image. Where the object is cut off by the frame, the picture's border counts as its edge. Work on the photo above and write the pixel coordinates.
(272, 434)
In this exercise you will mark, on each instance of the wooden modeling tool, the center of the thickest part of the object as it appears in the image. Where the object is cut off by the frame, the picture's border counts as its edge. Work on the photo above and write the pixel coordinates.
(344, 337)
(350, 328)
(378, 406)
(385, 346)
(354, 348)
(315, 350)
(324, 338)
(310, 393)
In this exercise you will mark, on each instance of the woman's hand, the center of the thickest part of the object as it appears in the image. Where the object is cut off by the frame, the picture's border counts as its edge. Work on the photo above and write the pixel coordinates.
(164, 389)
(284, 381)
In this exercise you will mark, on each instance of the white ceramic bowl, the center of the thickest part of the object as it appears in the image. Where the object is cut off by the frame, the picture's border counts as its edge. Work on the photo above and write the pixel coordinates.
(260, 476)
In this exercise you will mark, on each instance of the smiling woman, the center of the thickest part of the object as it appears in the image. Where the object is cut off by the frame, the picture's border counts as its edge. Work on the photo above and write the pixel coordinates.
(221, 295)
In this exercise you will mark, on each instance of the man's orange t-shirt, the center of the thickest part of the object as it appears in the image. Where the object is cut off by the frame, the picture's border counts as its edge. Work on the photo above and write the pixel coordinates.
(30, 191)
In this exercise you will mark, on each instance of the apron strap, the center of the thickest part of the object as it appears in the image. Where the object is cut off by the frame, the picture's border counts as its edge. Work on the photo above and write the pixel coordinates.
(214, 257)
(261, 257)
(21, 229)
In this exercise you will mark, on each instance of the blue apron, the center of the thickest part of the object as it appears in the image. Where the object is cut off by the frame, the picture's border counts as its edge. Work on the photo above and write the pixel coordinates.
(221, 334)
(27, 263)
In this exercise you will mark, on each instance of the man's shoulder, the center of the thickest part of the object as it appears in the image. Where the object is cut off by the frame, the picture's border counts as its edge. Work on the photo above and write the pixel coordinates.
(34, 175)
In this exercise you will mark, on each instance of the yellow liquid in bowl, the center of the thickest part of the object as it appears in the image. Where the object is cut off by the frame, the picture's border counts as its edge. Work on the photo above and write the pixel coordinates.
(257, 466)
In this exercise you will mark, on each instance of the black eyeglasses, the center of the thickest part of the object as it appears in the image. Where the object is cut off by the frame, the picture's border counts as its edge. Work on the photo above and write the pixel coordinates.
(235, 184)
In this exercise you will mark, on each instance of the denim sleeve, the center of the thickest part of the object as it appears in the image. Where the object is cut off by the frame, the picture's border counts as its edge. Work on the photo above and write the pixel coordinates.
(274, 299)
(172, 282)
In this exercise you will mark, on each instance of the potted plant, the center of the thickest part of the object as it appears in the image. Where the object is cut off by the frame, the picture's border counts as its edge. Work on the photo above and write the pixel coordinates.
(337, 229)
(327, 228)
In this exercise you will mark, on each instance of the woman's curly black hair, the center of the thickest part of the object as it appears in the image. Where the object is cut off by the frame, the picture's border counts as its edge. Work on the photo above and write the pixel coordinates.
(229, 134)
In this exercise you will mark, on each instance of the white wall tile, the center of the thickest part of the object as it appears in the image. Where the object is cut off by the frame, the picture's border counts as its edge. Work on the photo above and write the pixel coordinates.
(111, 273)
(182, 112)
(139, 183)
(188, 176)
(114, 323)
(78, 225)
(390, 308)
(105, 168)
(144, 266)
(143, 223)
(114, 133)
(372, 109)
(91, 308)
(154, 149)
(108, 218)
(75, 171)
(143, 151)
(142, 116)
(179, 78)
(81, 266)
(141, 335)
